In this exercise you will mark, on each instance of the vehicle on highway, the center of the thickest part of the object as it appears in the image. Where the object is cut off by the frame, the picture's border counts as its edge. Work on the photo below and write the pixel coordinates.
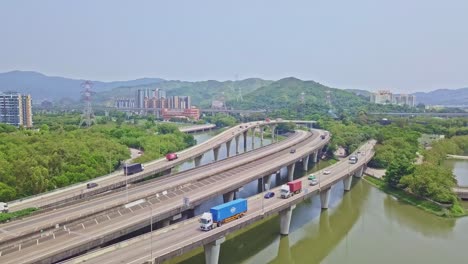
(171, 156)
(291, 188)
(311, 177)
(3, 207)
(353, 159)
(91, 185)
(267, 120)
(322, 136)
(269, 195)
(326, 172)
(314, 182)
(222, 214)
(130, 169)
(292, 151)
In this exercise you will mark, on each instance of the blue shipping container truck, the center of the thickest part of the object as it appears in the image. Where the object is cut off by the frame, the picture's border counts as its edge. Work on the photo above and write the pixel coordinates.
(223, 213)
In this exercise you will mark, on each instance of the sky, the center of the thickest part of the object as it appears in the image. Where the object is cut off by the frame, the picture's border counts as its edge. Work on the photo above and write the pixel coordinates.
(399, 45)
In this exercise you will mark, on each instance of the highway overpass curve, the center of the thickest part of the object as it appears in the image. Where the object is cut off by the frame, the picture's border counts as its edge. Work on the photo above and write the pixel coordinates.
(20, 228)
(80, 239)
(196, 128)
(185, 236)
(117, 179)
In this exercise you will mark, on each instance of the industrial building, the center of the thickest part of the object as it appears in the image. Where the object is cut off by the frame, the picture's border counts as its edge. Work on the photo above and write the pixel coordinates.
(16, 109)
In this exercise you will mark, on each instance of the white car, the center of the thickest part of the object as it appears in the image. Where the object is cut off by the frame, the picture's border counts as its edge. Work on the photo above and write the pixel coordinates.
(326, 172)
(313, 182)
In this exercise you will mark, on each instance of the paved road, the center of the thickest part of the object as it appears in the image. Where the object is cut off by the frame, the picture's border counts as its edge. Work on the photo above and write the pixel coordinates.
(118, 176)
(199, 191)
(196, 128)
(175, 239)
(173, 184)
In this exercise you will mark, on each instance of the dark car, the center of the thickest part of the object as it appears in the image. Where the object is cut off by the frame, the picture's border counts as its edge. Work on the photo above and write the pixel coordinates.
(91, 185)
(292, 151)
(269, 195)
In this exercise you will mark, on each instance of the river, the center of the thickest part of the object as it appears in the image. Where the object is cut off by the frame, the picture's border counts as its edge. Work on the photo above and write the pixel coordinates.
(364, 225)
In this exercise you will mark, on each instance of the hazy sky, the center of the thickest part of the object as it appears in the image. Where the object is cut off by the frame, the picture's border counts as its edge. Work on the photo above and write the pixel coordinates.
(402, 45)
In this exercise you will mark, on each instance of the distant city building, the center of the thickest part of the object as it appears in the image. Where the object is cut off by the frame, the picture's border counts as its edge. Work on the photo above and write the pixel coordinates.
(46, 104)
(217, 104)
(16, 109)
(386, 97)
(125, 103)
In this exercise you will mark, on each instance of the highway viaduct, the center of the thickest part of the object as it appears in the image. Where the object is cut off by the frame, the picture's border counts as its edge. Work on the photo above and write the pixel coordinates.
(229, 137)
(166, 243)
(71, 240)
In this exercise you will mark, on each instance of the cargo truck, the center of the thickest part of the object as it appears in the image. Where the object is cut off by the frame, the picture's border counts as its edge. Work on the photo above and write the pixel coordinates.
(3, 207)
(291, 188)
(130, 169)
(223, 213)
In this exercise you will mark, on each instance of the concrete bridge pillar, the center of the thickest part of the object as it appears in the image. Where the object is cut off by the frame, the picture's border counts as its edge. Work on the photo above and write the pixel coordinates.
(285, 220)
(273, 128)
(278, 177)
(197, 160)
(227, 197)
(261, 183)
(216, 152)
(261, 136)
(347, 182)
(253, 138)
(305, 163)
(325, 198)
(212, 250)
(228, 148)
(237, 143)
(315, 158)
(359, 172)
(245, 140)
(291, 171)
(165, 222)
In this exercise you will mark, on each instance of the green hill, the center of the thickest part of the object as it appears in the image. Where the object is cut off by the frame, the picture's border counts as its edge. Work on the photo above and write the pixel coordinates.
(288, 93)
(202, 93)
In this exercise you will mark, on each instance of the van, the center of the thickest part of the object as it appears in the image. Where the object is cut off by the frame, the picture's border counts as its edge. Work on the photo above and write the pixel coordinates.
(353, 159)
(91, 185)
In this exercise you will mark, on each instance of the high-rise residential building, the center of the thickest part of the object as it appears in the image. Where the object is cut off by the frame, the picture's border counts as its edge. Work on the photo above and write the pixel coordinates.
(16, 109)
(386, 97)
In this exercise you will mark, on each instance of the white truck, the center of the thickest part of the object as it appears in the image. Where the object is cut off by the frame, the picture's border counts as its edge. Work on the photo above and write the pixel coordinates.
(3, 207)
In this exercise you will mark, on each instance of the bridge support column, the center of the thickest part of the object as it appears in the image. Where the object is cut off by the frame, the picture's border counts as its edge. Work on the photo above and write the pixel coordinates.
(261, 136)
(325, 198)
(216, 153)
(237, 144)
(315, 158)
(197, 160)
(253, 138)
(347, 182)
(359, 172)
(285, 220)
(305, 163)
(165, 222)
(291, 171)
(227, 197)
(212, 250)
(245, 140)
(273, 128)
(278, 177)
(228, 148)
(261, 183)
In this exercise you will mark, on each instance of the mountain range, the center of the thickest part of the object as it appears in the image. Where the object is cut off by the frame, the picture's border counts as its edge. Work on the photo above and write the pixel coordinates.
(42, 87)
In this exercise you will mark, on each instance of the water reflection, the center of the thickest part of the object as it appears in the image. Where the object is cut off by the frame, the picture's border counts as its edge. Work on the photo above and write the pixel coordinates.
(417, 220)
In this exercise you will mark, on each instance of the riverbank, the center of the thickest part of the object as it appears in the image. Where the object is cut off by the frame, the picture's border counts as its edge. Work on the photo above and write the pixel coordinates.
(408, 198)
(457, 157)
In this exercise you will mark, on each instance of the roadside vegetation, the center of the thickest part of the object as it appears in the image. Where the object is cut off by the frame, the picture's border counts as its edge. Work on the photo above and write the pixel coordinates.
(59, 153)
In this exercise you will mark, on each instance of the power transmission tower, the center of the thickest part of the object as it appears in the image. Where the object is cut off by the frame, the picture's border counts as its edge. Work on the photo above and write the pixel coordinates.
(88, 116)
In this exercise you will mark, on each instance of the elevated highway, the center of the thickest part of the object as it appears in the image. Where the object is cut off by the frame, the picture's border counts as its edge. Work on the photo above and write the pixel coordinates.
(197, 128)
(66, 215)
(72, 239)
(183, 237)
(118, 179)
